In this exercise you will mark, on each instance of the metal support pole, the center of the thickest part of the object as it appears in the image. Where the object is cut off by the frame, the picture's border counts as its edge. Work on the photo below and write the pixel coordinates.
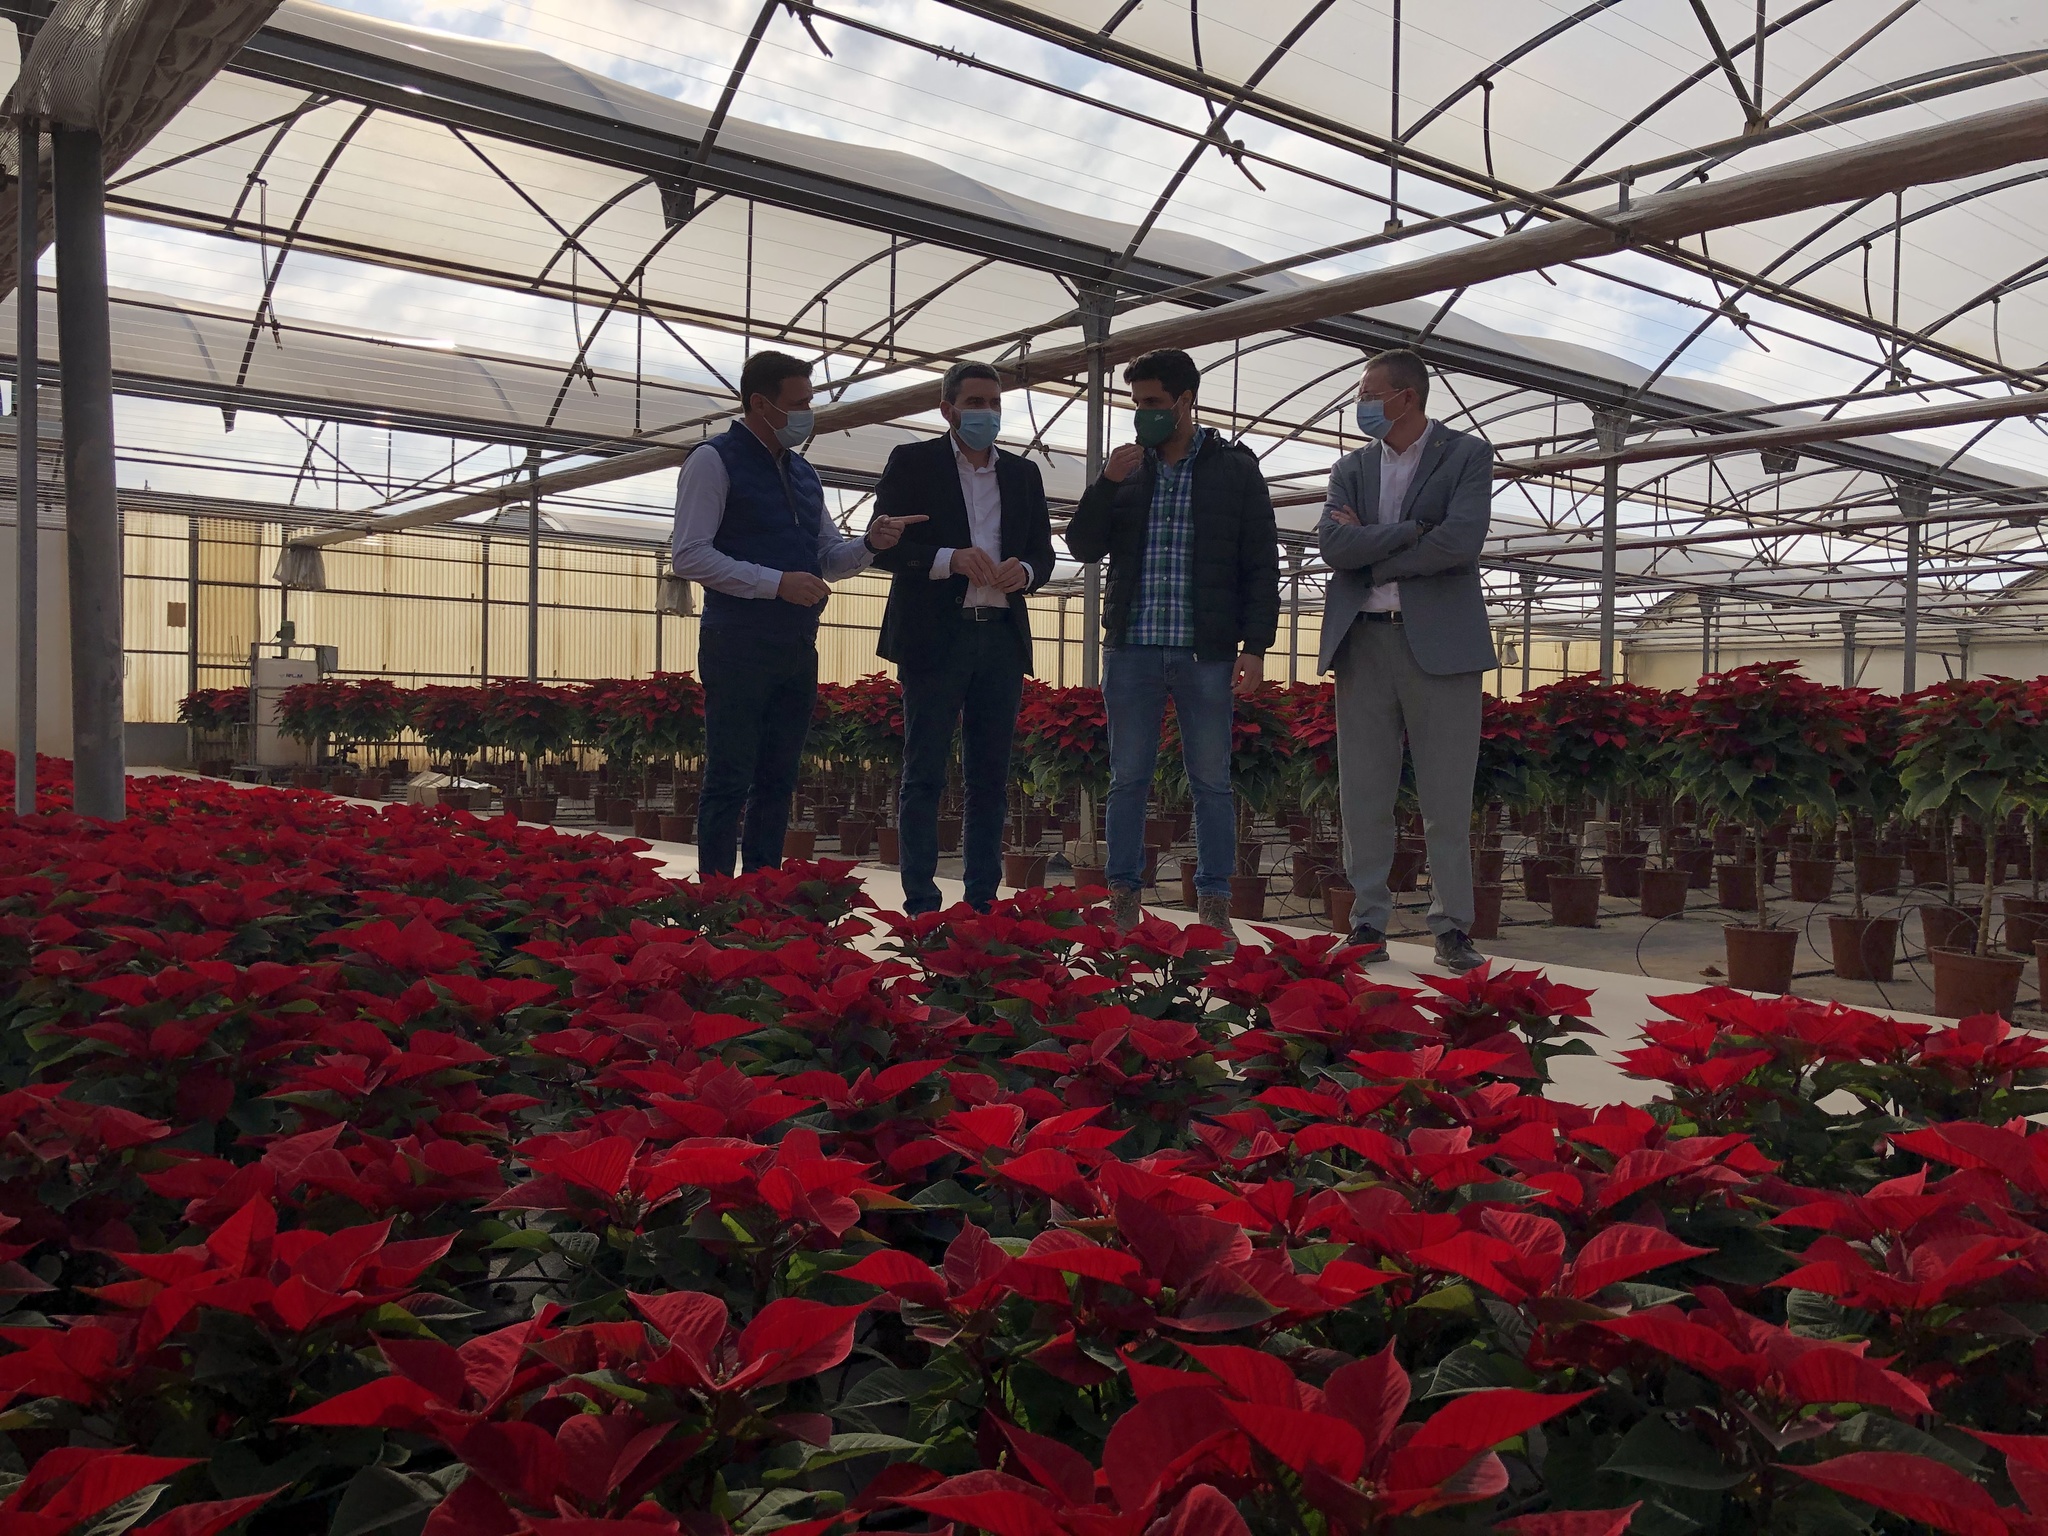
(1063, 643)
(1095, 308)
(1611, 428)
(1294, 624)
(1708, 603)
(92, 510)
(1910, 639)
(533, 566)
(1849, 650)
(1963, 654)
(27, 474)
(1528, 623)
(191, 605)
(657, 612)
(483, 653)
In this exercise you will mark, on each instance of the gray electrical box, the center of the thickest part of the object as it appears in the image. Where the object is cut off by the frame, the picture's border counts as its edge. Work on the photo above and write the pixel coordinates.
(328, 659)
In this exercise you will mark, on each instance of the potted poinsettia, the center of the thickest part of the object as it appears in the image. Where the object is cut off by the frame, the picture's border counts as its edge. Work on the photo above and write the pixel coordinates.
(1753, 744)
(1866, 783)
(532, 721)
(372, 712)
(871, 745)
(450, 720)
(219, 720)
(1596, 732)
(1062, 745)
(310, 714)
(1974, 747)
(1262, 746)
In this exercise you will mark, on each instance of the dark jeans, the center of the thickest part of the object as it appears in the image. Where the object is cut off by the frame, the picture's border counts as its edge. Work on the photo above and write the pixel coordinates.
(757, 711)
(977, 684)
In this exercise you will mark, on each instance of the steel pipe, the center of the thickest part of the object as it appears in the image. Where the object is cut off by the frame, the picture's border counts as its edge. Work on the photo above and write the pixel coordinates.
(27, 478)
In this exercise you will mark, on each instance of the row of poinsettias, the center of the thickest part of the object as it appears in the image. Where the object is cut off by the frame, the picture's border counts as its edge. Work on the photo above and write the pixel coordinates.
(400, 1171)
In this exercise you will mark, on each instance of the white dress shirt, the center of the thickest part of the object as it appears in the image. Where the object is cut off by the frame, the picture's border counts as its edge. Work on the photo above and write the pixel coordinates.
(1397, 475)
(983, 494)
(700, 508)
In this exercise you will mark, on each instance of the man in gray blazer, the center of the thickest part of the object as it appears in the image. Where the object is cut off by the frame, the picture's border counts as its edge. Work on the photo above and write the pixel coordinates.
(1405, 630)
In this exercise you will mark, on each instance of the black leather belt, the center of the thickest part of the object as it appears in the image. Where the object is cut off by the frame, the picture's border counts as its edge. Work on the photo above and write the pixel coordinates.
(1376, 617)
(985, 615)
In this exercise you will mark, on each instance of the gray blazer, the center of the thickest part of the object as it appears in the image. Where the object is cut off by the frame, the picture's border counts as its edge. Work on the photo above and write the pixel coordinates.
(1433, 551)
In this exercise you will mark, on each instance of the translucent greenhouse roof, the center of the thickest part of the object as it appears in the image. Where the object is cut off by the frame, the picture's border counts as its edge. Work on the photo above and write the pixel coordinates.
(563, 226)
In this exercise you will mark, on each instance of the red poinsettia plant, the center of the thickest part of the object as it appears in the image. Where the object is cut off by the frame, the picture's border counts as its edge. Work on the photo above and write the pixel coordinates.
(368, 1169)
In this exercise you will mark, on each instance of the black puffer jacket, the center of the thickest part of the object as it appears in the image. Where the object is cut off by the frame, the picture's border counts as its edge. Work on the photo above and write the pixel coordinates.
(1237, 553)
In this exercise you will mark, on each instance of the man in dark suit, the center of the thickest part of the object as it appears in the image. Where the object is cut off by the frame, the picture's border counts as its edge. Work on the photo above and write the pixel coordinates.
(956, 625)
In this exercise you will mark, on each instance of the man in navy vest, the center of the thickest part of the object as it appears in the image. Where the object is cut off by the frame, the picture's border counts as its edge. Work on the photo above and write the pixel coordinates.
(752, 530)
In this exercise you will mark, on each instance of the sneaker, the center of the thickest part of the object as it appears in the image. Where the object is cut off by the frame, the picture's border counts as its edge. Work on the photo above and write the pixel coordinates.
(1214, 912)
(1454, 952)
(1370, 943)
(1124, 909)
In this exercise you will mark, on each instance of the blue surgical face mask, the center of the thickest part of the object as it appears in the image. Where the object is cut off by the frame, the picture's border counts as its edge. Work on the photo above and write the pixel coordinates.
(796, 428)
(1372, 418)
(978, 429)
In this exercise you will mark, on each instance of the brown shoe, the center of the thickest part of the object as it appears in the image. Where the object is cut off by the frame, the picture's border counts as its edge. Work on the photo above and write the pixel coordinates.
(1214, 912)
(1124, 909)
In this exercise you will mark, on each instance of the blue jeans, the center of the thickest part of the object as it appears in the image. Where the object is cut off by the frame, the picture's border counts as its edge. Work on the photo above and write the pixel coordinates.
(1137, 680)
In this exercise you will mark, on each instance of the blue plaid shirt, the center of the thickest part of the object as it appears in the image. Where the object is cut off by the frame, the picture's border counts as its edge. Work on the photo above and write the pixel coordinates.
(1163, 613)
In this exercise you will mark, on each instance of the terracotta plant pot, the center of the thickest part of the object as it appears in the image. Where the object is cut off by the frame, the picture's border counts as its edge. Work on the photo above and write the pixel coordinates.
(453, 799)
(647, 824)
(369, 787)
(1622, 873)
(1574, 901)
(1409, 858)
(1250, 856)
(1159, 832)
(949, 834)
(886, 845)
(797, 842)
(1248, 897)
(1486, 910)
(1760, 959)
(1973, 863)
(538, 808)
(1864, 947)
(681, 827)
(1337, 894)
(2041, 964)
(1308, 874)
(855, 834)
(1929, 865)
(1947, 928)
(1877, 874)
(1967, 984)
(1536, 873)
(1188, 893)
(826, 820)
(1024, 871)
(1489, 864)
(2026, 919)
(1663, 891)
(1813, 879)
(1090, 877)
(1698, 864)
(1735, 889)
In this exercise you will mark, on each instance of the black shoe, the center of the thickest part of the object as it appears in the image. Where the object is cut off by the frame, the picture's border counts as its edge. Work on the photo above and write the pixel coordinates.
(1370, 946)
(1454, 952)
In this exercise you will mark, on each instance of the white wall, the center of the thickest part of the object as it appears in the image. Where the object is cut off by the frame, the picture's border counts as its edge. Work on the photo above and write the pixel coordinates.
(1882, 668)
(53, 654)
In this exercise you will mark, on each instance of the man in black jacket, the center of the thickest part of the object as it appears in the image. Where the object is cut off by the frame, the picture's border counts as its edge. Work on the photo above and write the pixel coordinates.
(956, 625)
(1193, 602)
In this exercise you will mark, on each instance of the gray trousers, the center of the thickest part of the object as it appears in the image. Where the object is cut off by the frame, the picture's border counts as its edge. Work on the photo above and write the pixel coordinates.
(1381, 696)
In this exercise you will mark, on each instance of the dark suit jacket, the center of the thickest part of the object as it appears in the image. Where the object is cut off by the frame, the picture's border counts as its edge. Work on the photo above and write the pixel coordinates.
(923, 617)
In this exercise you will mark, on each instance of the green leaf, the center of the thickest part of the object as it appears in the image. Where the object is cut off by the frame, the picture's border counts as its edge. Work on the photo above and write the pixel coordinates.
(1816, 1316)
(1874, 1432)
(1657, 1452)
(847, 1447)
(1472, 1368)
(377, 1499)
(1451, 1298)
(116, 1518)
